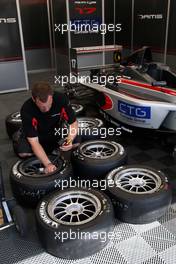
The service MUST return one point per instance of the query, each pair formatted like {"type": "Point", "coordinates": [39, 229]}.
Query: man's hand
{"type": "Point", "coordinates": [41, 155]}
{"type": "Point", "coordinates": [66, 146]}
{"type": "Point", "coordinates": [50, 168]}
{"type": "Point", "coordinates": [73, 130]}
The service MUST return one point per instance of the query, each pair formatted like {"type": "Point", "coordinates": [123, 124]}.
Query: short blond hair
{"type": "Point", "coordinates": [41, 91]}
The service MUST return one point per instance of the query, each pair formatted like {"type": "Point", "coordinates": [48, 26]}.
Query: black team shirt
{"type": "Point", "coordinates": [45, 125]}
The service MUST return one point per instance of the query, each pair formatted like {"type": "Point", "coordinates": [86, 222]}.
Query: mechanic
{"type": "Point", "coordinates": [43, 115]}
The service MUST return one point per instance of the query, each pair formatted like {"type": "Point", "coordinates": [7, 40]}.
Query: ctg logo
{"type": "Point", "coordinates": [9, 20]}
{"type": "Point", "coordinates": [152, 16]}
{"type": "Point", "coordinates": [85, 10]}
{"type": "Point", "coordinates": [135, 111]}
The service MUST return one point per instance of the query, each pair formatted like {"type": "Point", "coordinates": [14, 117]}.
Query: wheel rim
{"type": "Point", "coordinates": [137, 180]}
{"type": "Point", "coordinates": [16, 117]}
{"type": "Point", "coordinates": [77, 107]}
{"type": "Point", "coordinates": [34, 168]}
{"type": "Point", "coordinates": [89, 123]}
{"type": "Point", "coordinates": [16, 224]}
{"type": "Point", "coordinates": [101, 150]}
{"type": "Point", "coordinates": [17, 227]}
{"type": "Point", "coordinates": [74, 208]}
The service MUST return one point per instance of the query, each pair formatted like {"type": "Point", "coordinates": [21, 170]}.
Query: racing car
{"type": "Point", "coordinates": [140, 66]}
{"type": "Point", "coordinates": [143, 97]}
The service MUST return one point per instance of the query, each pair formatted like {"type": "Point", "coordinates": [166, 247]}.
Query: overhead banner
{"type": "Point", "coordinates": [13, 75]}
{"type": "Point", "coordinates": [85, 23]}
{"type": "Point", "coordinates": [35, 24]}
{"type": "Point", "coordinates": [150, 24]}
{"type": "Point", "coordinates": [61, 44]}
{"type": "Point", "coordinates": [171, 49]}
{"type": "Point", "coordinates": [123, 11]}
{"type": "Point", "coordinates": [109, 19]}
{"type": "Point", "coordinates": [10, 44]}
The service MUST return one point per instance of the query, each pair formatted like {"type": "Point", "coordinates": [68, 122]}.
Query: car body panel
{"type": "Point", "coordinates": [143, 95]}
{"type": "Point", "coordinates": [130, 107]}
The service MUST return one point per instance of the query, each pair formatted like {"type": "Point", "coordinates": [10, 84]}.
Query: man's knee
{"type": "Point", "coordinates": [25, 155]}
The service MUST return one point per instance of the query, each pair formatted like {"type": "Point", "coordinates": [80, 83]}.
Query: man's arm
{"type": "Point", "coordinates": [73, 131]}
{"type": "Point", "coordinates": [41, 155]}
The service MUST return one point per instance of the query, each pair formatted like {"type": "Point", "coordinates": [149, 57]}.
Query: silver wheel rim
{"type": "Point", "coordinates": [34, 168]}
{"type": "Point", "coordinates": [77, 107]}
{"type": "Point", "coordinates": [89, 123]}
{"type": "Point", "coordinates": [137, 180]}
{"type": "Point", "coordinates": [101, 150]}
{"type": "Point", "coordinates": [74, 208]}
{"type": "Point", "coordinates": [16, 117]}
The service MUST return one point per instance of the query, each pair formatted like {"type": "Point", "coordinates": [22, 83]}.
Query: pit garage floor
{"type": "Point", "coordinates": [153, 243]}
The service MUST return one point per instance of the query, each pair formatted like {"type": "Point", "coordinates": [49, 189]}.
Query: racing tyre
{"type": "Point", "coordinates": [20, 220]}
{"type": "Point", "coordinates": [139, 194]}
{"type": "Point", "coordinates": [70, 223]}
{"type": "Point", "coordinates": [89, 128]}
{"type": "Point", "coordinates": [30, 183]}
{"type": "Point", "coordinates": [13, 123]}
{"type": "Point", "coordinates": [15, 140]}
{"type": "Point", "coordinates": [94, 159]}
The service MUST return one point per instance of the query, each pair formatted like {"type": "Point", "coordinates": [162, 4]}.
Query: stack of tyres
{"type": "Point", "coordinates": [75, 223]}
{"type": "Point", "coordinates": [139, 194]}
{"type": "Point", "coordinates": [94, 159]}
{"type": "Point", "coordinates": [30, 183]}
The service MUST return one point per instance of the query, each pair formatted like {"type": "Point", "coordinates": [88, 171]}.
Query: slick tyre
{"type": "Point", "coordinates": [94, 159]}
{"type": "Point", "coordinates": [139, 194]}
{"type": "Point", "coordinates": [15, 140]}
{"type": "Point", "coordinates": [20, 220]}
{"type": "Point", "coordinates": [89, 128]}
{"type": "Point", "coordinates": [30, 183]}
{"type": "Point", "coordinates": [13, 123]}
{"type": "Point", "coordinates": [70, 223]}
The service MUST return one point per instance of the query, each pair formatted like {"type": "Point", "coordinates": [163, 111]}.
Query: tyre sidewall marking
{"type": "Point", "coordinates": [48, 221]}
{"type": "Point", "coordinates": [15, 170]}
{"type": "Point", "coordinates": [44, 217]}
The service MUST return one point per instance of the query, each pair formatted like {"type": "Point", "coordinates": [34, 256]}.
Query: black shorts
{"type": "Point", "coordinates": [23, 146]}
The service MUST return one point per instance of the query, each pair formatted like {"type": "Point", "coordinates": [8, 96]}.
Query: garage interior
{"type": "Point", "coordinates": [32, 51]}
